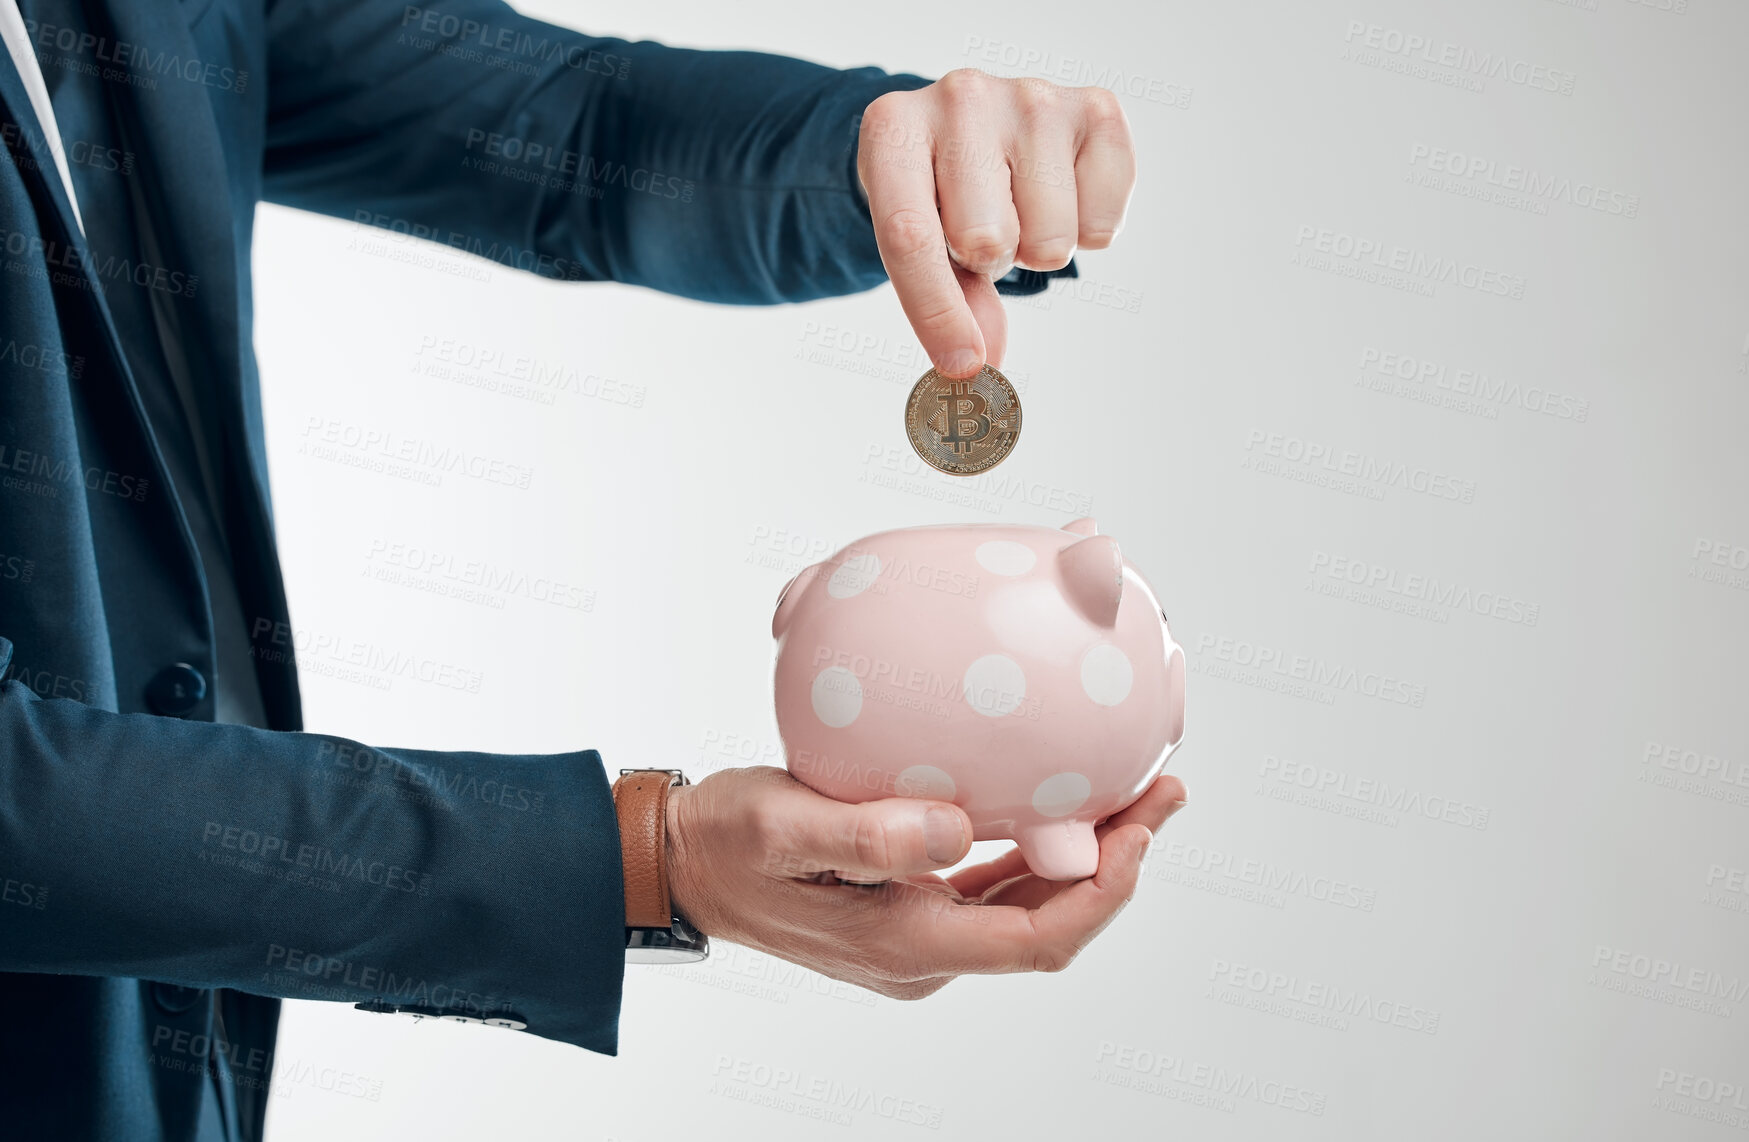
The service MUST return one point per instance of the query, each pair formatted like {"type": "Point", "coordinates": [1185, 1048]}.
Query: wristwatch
{"type": "Point", "coordinates": [655, 933]}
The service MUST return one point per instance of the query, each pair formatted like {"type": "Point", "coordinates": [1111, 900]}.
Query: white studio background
{"type": "Point", "coordinates": [1512, 906]}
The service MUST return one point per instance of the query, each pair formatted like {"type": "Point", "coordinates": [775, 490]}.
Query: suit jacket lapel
{"type": "Point", "coordinates": [175, 139]}
{"type": "Point", "coordinates": [33, 141]}
{"type": "Point", "coordinates": [66, 251]}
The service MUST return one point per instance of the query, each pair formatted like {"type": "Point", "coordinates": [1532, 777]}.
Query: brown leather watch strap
{"type": "Point", "coordinates": [640, 800]}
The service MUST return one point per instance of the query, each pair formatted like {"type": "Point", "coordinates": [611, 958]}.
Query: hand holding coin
{"type": "Point", "coordinates": [974, 174]}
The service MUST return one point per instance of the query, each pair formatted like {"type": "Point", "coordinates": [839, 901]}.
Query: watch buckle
{"type": "Point", "coordinates": [656, 769]}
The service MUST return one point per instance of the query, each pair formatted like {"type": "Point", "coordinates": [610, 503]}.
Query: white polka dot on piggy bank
{"type": "Point", "coordinates": [1025, 673]}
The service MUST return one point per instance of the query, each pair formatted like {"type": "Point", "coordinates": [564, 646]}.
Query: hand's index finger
{"type": "Point", "coordinates": [907, 222]}
{"type": "Point", "coordinates": [1068, 921]}
{"type": "Point", "coordinates": [1158, 801]}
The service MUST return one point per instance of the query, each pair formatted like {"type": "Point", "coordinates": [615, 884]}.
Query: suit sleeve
{"type": "Point", "coordinates": [486, 886]}
{"type": "Point", "coordinates": [726, 176]}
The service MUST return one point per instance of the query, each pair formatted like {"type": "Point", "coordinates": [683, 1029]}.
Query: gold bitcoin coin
{"type": "Point", "coordinates": [963, 427]}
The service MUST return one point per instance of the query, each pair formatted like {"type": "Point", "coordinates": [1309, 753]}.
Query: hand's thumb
{"type": "Point", "coordinates": [986, 306]}
{"type": "Point", "coordinates": [891, 837]}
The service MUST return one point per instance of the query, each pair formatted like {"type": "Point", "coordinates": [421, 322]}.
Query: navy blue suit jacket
{"type": "Point", "coordinates": [164, 878]}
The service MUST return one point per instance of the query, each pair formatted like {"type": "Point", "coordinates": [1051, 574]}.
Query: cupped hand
{"type": "Point", "coordinates": [755, 858]}
{"type": "Point", "coordinates": [973, 175]}
{"type": "Point", "coordinates": [1007, 880]}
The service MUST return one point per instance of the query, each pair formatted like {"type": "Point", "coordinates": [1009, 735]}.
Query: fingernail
{"type": "Point", "coordinates": [960, 362]}
{"type": "Point", "coordinates": [1174, 807]}
{"type": "Point", "coordinates": [943, 835]}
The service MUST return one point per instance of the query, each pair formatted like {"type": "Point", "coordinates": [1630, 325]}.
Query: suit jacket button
{"type": "Point", "coordinates": [176, 690]}
{"type": "Point", "coordinates": [174, 999]}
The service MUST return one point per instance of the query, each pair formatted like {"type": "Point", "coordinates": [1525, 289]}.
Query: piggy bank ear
{"type": "Point", "coordinates": [789, 598]}
{"type": "Point", "coordinates": [1092, 570]}
{"type": "Point", "coordinates": [1082, 526]}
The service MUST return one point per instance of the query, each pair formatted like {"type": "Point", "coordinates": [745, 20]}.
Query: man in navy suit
{"type": "Point", "coordinates": [175, 855]}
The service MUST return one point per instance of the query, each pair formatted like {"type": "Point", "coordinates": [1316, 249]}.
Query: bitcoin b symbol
{"type": "Point", "coordinates": [963, 411]}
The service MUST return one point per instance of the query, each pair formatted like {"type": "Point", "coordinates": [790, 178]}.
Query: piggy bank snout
{"type": "Point", "coordinates": [1175, 671]}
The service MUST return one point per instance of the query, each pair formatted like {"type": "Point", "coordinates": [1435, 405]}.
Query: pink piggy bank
{"type": "Point", "coordinates": [1024, 673]}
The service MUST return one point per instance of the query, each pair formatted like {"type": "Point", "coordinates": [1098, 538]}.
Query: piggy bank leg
{"type": "Point", "coordinates": [1060, 850]}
